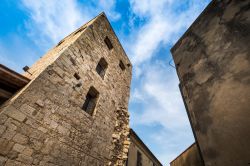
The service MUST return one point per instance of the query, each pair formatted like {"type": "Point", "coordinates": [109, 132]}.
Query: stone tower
{"type": "Point", "coordinates": [74, 110]}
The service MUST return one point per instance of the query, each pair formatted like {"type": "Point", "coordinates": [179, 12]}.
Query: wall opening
{"type": "Point", "coordinates": [139, 159]}
{"type": "Point", "coordinates": [101, 67]}
{"type": "Point", "coordinates": [77, 76]}
{"type": "Point", "coordinates": [121, 65]}
{"type": "Point", "coordinates": [91, 100]}
{"type": "Point", "coordinates": [108, 43]}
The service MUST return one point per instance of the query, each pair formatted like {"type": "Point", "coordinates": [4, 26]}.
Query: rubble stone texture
{"type": "Point", "coordinates": [213, 64]}
{"type": "Point", "coordinates": [44, 123]}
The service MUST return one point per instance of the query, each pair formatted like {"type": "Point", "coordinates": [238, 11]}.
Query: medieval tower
{"type": "Point", "coordinates": [74, 108]}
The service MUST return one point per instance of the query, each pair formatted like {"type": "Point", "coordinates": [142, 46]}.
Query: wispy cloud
{"type": "Point", "coordinates": [161, 104]}
{"type": "Point", "coordinates": [50, 21]}
{"type": "Point", "coordinates": [165, 21]}
{"type": "Point", "coordinates": [109, 7]}
{"type": "Point", "coordinates": [155, 86]}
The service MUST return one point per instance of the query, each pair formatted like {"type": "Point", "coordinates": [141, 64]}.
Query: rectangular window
{"type": "Point", "coordinates": [90, 101]}
{"type": "Point", "coordinates": [139, 159]}
{"type": "Point", "coordinates": [101, 67]}
{"type": "Point", "coordinates": [121, 64]}
{"type": "Point", "coordinates": [108, 43]}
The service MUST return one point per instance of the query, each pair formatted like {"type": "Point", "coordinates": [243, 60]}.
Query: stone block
{"type": "Point", "coordinates": [40, 103]}
{"type": "Point", "coordinates": [5, 146]}
{"type": "Point", "coordinates": [20, 138]}
{"type": "Point", "coordinates": [28, 151]}
{"type": "Point", "coordinates": [3, 118]}
{"type": "Point", "coordinates": [25, 159]}
{"type": "Point", "coordinates": [53, 124]}
{"type": "Point", "coordinates": [12, 155]}
{"type": "Point", "coordinates": [2, 129]}
{"type": "Point", "coordinates": [27, 109]}
{"type": "Point", "coordinates": [8, 134]}
{"type": "Point", "coordinates": [18, 148]}
{"type": "Point", "coordinates": [15, 114]}
{"type": "Point", "coordinates": [42, 129]}
{"type": "Point", "coordinates": [63, 130]}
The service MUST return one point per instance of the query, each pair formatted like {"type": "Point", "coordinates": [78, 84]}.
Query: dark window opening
{"type": "Point", "coordinates": [77, 76]}
{"type": "Point", "coordinates": [73, 61]}
{"type": "Point", "coordinates": [108, 43]}
{"type": "Point", "coordinates": [122, 66]}
{"type": "Point", "coordinates": [139, 159]}
{"type": "Point", "coordinates": [101, 67]}
{"type": "Point", "coordinates": [90, 101]}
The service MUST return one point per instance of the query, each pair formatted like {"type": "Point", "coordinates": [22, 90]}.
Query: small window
{"type": "Point", "coordinates": [108, 43]}
{"type": "Point", "coordinates": [121, 64]}
{"type": "Point", "coordinates": [90, 101]}
{"type": "Point", "coordinates": [73, 61]}
{"type": "Point", "coordinates": [101, 67]}
{"type": "Point", "coordinates": [139, 159]}
{"type": "Point", "coordinates": [77, 76]}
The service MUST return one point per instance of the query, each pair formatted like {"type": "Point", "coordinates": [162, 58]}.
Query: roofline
{"type": "Point", "coordinates": [132, 132]}
{"type": "Point", "coordinates": [184, 151]}
{"type": "Point", "coordinates": [195, 21]}
{"type": "Point", "coordinates": [14, 73]}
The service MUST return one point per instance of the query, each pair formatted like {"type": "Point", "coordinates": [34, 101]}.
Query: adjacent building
{"type": "Point", "coordinates": [213, 64]}
{"type": "Point", "coordinates": [190, 157]}
{"type": "Point", "coordinates": [139, 154]}
{"type": "Point", "coordinates": [71, 106]}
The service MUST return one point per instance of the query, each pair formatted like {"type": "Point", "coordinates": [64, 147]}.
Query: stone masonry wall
{"type": "Point", "coordinates": [44, 123]}
{"type": "Point", "coordinates": [213, 64]}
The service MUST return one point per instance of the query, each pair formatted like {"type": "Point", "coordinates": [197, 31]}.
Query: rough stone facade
{"type": "Point", "coordinates": [190, 157]}
{"type": "Point", "coordinates": [213, 64]}
{"type": "Point", "coordinates": [45, 124]}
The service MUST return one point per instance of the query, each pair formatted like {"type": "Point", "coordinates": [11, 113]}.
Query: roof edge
{"type": "Point", "coordinates": [184, 151]}
{"type": "Point", "coordinates": [190, 27]}
{"type": "Point", "coordinates": [131, 131]}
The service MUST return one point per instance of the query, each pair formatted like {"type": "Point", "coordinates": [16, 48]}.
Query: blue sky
{"type": "Point", "coordinates": [147, 30]}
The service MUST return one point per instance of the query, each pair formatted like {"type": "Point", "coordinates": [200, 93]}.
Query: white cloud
{"type": "Point", "coordinates": [160, 103]}
{"type": "Point", "coordinates": [164, 24]}
{"type": "Point", "coordinates": [156, 94]}
{"type": "Point", "coordinates": [109, 7]}
{"type": "Point", "coordinates": [51, 20]}
{"type": "Point", "coordinates": [159, 94]}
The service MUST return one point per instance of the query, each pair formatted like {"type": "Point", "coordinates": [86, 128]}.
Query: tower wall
{"type": "Point", "coordinates": [45, 124]}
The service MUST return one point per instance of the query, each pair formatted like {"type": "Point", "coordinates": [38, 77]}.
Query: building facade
{"type": "Point", "coordinates": [139, 154]}
{"type": "Point", "coordinates": [73, 109]}
{"type": "Point", "coordinates": [213, 64]}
